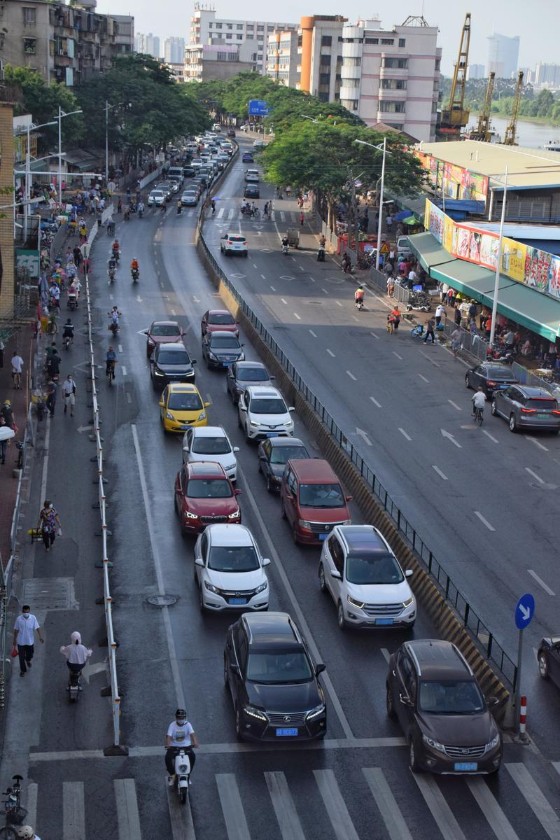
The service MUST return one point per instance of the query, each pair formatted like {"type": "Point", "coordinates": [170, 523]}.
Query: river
{"type": "Point", "coordinates": [530, 134]}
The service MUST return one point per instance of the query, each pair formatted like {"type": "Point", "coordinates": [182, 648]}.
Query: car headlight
{"type": "Point", "coordinates": [435, 745]}
{"type": "Point", "coordinates": [190, 515]}
{"type": "Point", "coordinates": [358, 604]}
{"type": "Point", "coordinates": [261, 588]}
{"type": "Point", "coordinates": [211, 587]}
{"type": "Point", "coordinates": [233, 515]}
{"type": "Point", "coordinates": [493, 743]}
{"type": "Point", "coordinates": [303, 523]}
{"type": "Point", "coordinates": [254, 423]}
{"type": "Point", "coordinates": [201, 416]}
{"type": "Point", "coordinates": [318, 710]}
{"type": "Point", "coordinates": [408, 602]}
{"type": "Point", "coordinates": [169, 416]}
{"type": "Point", "coordinates": [250, 711]}
{"type": "Point", "coordinates": [231, 466]}
{"type": "Point", "coordinates": [158, 372]}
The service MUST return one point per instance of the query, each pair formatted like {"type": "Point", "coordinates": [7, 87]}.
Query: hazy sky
{"type": "Point", "coordinates": [537, 22]}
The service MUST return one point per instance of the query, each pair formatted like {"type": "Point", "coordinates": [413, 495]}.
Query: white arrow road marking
{"type": "Point", "coordinates": [484, 521]}
{"type": "Point", "coordinates": [351, 375]}
{"type": "Point", "coordinates": [81, 429]}
{"type": "Point", "coordinates": [450, 437]}
{"type": "Point", "coordinates": [363, 435]}
{"type": "Point", "coordinates": [439, 472]}
{"type": "Point", "coordinates": [457, 407]}
{"type": "Point", "coordinates": [535, 476]}
{"type": "Point", "coordinates": [404, 434]}
{"type": "Point", "coordinates": [374, 401]}
{"type": "Point", "coordinates": [541, 582]}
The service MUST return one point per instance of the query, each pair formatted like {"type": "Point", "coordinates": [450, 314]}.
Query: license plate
{"type": "Point", "coordinates": [323, 536]}
{"type": "Point", "coordinates": [237, 601]}
{"type": "Point", "coordinates": [185, 426]}
{"type": "Point", "coordinates": [384, 621]}
{"type": "Point", "coordinates": [287, 732]}
{"type": "Point", "coordinates": [465, 766]}
{"type": "Point", "coordinates": [543, 416]}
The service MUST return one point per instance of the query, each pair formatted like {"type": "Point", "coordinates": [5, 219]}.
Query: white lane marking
{"type": "Point", "coordinates": [123, 370]}
{"type": "Point", "coordinates": [541, 582]}
{"type": "Point", "coordinates": [439, 472]}
{"type": "Point", "coordinates": [439, 809]}
{"type": "Point", "coordinates": [536, 442]}
{"type": "Point", "coordinates": [73, 811]}
{"type": "Point", "coordinates": [325, 291]}
{"type": "Point", "coordinates": [128, 398]}
{"type": "Point", "coordinates": [230, 800]}
{"type": "Point", "coordinates": [338, 303]}
{"type": "Point", "coordinates": [46, 459]}
{"type": "Point", "coordinates": [31, 802]}
{"type": "Point", "coordinates": [284, 301]}
{"type": "Point", "coordinates": [397, 355]}
{"type": "Point", "coordinates": [128, 818]}
{"type": "Point", "coordinates": [297, 316]}
{"type": "Point", "coordinates": [301, 268]}
{"type": "Point", "coordinates": [454, 404]}
{"type": "Point", "coordinates": [355, 318]}
{"type": "Point", "coordinates": [483, 520]}
{"type": "Point", "coordinates": [374, 401]}
{"type": "Point", "coordinates": [330, 352]}
{"type": "Point", "coordinates": [385, 654]}
{"type": "Point", "coordinates": [374, 335]}
{"type": "Point", "coordinates": [155, 549]}
{"type": "Point", "coordinates": [119, 348]}
{"type": "Point", "coordinates": [492, 438]}
{"type": "Point", "coordinates": [341, 821]}
{"type": "Point", "coordinates": [423, 377]}
{"type": "Point", "coordinates": [535, 799]}
{"type": "Point", "coordinates": [535, 476]}
{"type": "Point", "coordinates": [404, 434]}
{"type": "Point", "coordinates": [387, 804]}
{"type": "Point", "coordinates": [173, 312]}
{"type": "Point", "coordinates": [450, 437]}
{"type": "Point", "coordinates": [263, 276]}
{"type": "Point", "coordinates": [284, 807]}
{"type": "Point", "coordinates": [351, 375]}
{"type": "Point", "coordinates": [273, 288]}
{"type": "Point", "coordinates": [497, 820]}
{"type": "Point", "coordinates": [313, 334]}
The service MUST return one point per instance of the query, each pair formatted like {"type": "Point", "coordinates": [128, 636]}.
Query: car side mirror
{"type": "Point", "coordinates": [291, 408]}
{"type": "Point", "coordinates": [266, 561]}
{"type": "Point", "coordinates": [193, 361]}
{"type": "Point", "coordinates": [336, 574]}
{"type": "Point", "coordinates": [198, 561]}
{"type": "Point", "coordinates": [206, 404]}
{"type": "Point", "coordinates": [241, 407]}
{"type": "Point", "coordinates": [320, 668]}
{"type": "Point", "coordinates": [349, 498]}
{"type": "Point", "coordinates": [492, 701]}
{"type": "Point", "coordinates": [408, 573]}
{"type": "Point", "coordinates": [271, 377]}
{"type": "Point", "coordinates": [406, 701]}
{"type": "Point", "coordinates": [161, 404]}
{"type": "Point", "coordinates": [237, 491]}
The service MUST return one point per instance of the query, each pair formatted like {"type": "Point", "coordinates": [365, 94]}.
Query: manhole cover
{"type": "Point", "coordinates": [162, 600]}
{"type": "Point", "coordinates": [49, 594]}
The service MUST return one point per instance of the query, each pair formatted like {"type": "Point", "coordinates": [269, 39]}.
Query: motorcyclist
{"type": "Point", "coordinates": [478, 400]}
{"type": "Point", "coordinates": [68, 330]}
{"type": "Point", "coordinates": [285, 243]}
{"type": "Point", "coordinates": [179, 206]}
{"type": "Point", "coordinates": [110, 360]}
{"type": "Point", "coordinates": [76, 654]}
{"type": "Point", "coordinates": [116, 249]}
{"type": "Point", "coordinates": [26, 832]}
{"type": "Point", "coordinates": [114, 315]}
{"type": "Point", "coordinates": [359, 296]}
{"type": "Point", "coordinates": [180, 736]}
{"type": "Point", "coordinates": [140, 209]}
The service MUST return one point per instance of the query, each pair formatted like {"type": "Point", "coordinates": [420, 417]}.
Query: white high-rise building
{"type": "Point", "coordinates": [148, 44]}
{"type": "Point", "coordinates": [503, 56]}
{"type": "Point", "coordinates": [174, 50]}
{"type": "Point", "coordinates": [475, 71]}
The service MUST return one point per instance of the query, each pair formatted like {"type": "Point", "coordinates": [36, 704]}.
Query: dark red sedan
{"type": "Point", "coordinates": [162, 332]}
{"type": "Point", "coordinates": [204, 495]}
{"type": "Point", "coordinates": [218, 319]}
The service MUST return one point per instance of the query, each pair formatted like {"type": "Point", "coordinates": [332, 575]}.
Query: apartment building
{"type": "Point", "coordinates": [63, 43]}
{"type": "Point", "coordinates": [174, 50]}
{"type": "Point", "coordinates": [503, 55]}
{"type": "Point", "coordinates": [148, 44]}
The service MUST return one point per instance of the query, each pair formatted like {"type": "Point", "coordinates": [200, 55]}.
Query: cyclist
{"type": "Point", "coordinates": [359, 296]}
{"type": "Point", "coordinates": [180, 735]}
{"type": "Point", "coordinates": [76, 654]}
{"type": "Point", "coordinates": [478, 401]}
{"type": "Point", "coordinates": [110, 361]}
{"type": "Point", "coordinates": [68, 330]}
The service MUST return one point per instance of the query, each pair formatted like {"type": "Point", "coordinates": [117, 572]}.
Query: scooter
{"type": "Point", "coordinates": [135, 272]}
{"type": "Point", "coordinates": [321, 254]}
{"type": "Point", "coordinates": [74, 686]}
{"type": "Point", "coordinates": [285, 248]}
{"type": "Point", "coordinates": [114, 327]}
{"type": "Point", "coordinates": [182, 775]}
{"type": "Point", "coordinates": [359, 302]}
{"type": "Point", "coordinates": [72, 302]}
{"type": "Point", "coordinates": [111, 272]}
{"type": "Point", "coordinates": [67, 341]}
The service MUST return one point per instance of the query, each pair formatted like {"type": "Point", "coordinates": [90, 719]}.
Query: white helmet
{"type": "Point", "coordinates": [26, 832]}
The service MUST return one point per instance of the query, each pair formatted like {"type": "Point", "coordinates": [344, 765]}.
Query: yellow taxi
{"type": "Point", "coordinates": [181, 407]}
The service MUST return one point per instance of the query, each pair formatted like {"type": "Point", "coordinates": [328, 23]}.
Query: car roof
{"type": "Point", "coordinates": [535, 391]}
{"type": "Point", "coordinates": [219, 312]}
{"type": "Point", "coordinates": [264, 391]}
{"type": "Point", "coordinates": [437, 659]}
{"type": "Point", "coordinates": [173, 346]}
{"type": "Point", "coordinates": [362, 538]}
{"type": "Point", "coordinates": [279, 442]}
{"type": "Point", "coordinates": [313, 470]}
{"type": "Point", "coordinates": [272, 628]}
{"type": "Point", "coordinates": [224, 534]}
{"type": "Point", "coordinates": [165, 324]}
{"type": "Point", "coordinates": [232, 235]}
{"type": "Point", "coordinates": [209, 431]}
{"type": "Point", "coordinates": [182, 388]}
{"type": "Point", "coordinates": [248, 364]}
{"type": "Point", "coordinates": [221, 333]}
{"type": "Point", "coordinates": [205, 469]}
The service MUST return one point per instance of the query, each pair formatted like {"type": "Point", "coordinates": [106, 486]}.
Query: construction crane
{"type": "Point", "coordinates": [511, 128]}
{"type": "Point", "coordinates": [482, 131]}
{"type": "Point", "coordinates": [454, 118]}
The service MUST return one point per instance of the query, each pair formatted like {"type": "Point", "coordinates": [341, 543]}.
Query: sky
{"type": "Point", "coordinates": [536, 23]}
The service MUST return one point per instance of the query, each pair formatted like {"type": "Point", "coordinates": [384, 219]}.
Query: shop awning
{"type": "Point", "coordinates": [429, 251]}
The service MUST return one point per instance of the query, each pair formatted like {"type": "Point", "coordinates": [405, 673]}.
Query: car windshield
{"type": "Point", "coordinates": [211, 445]}
{"type": "Point", "coordinates": [184, 402]}
{"type": "Point", "coordinates": [221, 318]}
{"type": "Point", "coordinates": [276, 405]}
{"type": "Point", "coordinates": [235, 238]}
{"type": "Point", "coordinates": [228, 342]}
{"type": "Point", "coordinates": [252, 375]}
{"type": "Point", "coordinates": [170, 357]}
{"type": "Point", "coordinates": [239, 558]}
{"type": "Point", "coordinates": [282, 454]}
{"type": "Point", "coordinates": [372, 568]}
{"type": "Point", "coordinates": [450, 697]}
{"type": "Point", "coordinates": [321, 496]}
{"type": "Point", "coordinates": [209, 488]}
{"type": "Point", "coordinates": [543, 404]}
{"type": "Point", "coordinates": [165, 329]}
{"type": "Point", "coordinates": [276, 667]}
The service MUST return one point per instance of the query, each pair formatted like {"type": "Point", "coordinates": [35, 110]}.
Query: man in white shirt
{"type": "Point", "coordinates": [17, 369]}
{"type": "Point", "coordinates": [440, 312]}
{"type": "Point", "coordinates": [24, 636]}
{"type": "Point", "coordinates": [180, 735]}
{"type": "Point", "coordinates": [69, 393]}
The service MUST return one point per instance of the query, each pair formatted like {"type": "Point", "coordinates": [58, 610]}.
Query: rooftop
{"type": "Point", "coordinates": [527, 168]}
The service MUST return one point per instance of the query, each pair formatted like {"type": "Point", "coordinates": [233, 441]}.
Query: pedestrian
{"type": "Point", "coordinates": [430, 331]}
{"type": "Point", "coordinates": [8, 415]}
{"type": "Point", "coordinates": [440, 313]}
{"type": "Point", "coordinates": [17, 368]}
{"type": "Point", "coordinates": [389, 222]}
{"type": "Point", "coordinates": [457, 317]}
{"type": "Point", "coordinates": [455, 341]}
{"type": "Point", "coordinates": [396, 315]}
{"type": "Point", "coordinates": [49, 524]}
{"type": "Point", "coordinates": [301, 218]}
{"type": "Point", "coordinates": [53, 365]}
{"type": "Point", "coordinates": [390, 286]}
{"type": "Point", "coordinates": [69, 393]}
{"type": "Point", "coordinates": [472, 310]}
{"type": "Point", "coordinates": [3, 443]}
{"type": "Point", "coordinates": [24, 637]}
{"type": "Point", "coordinates": [443, 291]}
{"type": "Point", "coordinates": [51, 397]}
{"type": "Point", "coordinates": [119, 206]}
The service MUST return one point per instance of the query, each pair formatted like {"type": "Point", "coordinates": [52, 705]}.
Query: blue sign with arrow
{"type": "Point", "coordinates": [524, 611]}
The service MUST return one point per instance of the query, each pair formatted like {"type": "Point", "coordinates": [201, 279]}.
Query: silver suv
{"type": "Point", "coordinates": [527, 407]}
{"type": "Point", "coordinates": [263, 413]}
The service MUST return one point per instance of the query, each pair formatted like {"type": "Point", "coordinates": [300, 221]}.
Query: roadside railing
{"type": "Point", "coordinates": [481, 634]}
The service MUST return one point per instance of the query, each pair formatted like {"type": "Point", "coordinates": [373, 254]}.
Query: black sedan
{"type": "Point", "coordinates": [171, 363]}
{"type": "Point", "coordinates": [241, 374]}
{"type": "Point", "coordinates": [548, 657]}
{"type": "Point", "coordinates": [492, 376]}
{"type": "Point", "coordinates": [251, 191]}
{"type": "Point", "coordinates": [221, 349]}
{"type": "Point", "coordinates": [274, 454]}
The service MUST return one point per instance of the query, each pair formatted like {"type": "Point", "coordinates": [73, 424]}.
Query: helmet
{"type": "Point", "coordinates": [26, 832]}
{"type": "Point", "coordinates": [7, 402]}
{"type": "Point", "coordinates": [181, 714]}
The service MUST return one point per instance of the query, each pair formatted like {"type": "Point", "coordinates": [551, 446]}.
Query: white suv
{"type": "Point", "coordinates": [234, 243]}
{"type": "Point", "coordinates": [263, 413]}
{"type": "Point", "coordinates": [210, 443]}
{"type": "Point", "coordinates": [364, 578]}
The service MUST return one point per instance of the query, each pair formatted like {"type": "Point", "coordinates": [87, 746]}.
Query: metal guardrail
{"type": "Point", "coordinates": [478, 629]}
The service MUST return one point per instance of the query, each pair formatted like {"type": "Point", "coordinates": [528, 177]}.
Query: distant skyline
{"type": "Point", "coordinates": [536, 24]}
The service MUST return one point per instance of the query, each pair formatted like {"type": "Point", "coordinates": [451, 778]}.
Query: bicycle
{"type": "Point", "coordinates": [12, 811]}
{"type": "Point", "coordinates": [478, 415]}
{"type": "Point", "coordinates": [110, 371]}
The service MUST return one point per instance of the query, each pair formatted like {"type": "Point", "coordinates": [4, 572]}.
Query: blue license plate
{"type": "Point", "coordinates": [287, 732]}
{"type": "Point", "coordinates": [465, 766]}
{"type": "Point", "coordinates": [237, 602]}
{"type": "Point", "coordinates": [323, 536]}
{"type": "Point", "coordinates": [384, 621]}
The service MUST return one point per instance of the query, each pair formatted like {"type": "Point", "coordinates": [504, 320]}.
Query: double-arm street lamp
{"type": "Point", "coordinates": [382, 147]}
{"type": "Point", "coordinates": [28, 129]}
{"type": "Point", "coordinates": [62, 114]}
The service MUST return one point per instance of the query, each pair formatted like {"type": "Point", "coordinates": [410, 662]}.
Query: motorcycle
{"type": "Point", "coordinates": [500, 354]}
{"type": "Point", "coordinates": [285, 248]}
{"type": "Point", "coordinates": [111, 272]}
{"type": "Point", "coordinates": [419, 302]}
{"type": "Point", "coordinates": [182, 775]}
{"type": "Point", "coordinates": [116, 254]}
{"type": "Point", "coordinates": [135, 272]}
{"type": "Point", "coordinates": [74, 686]}
{"type": "Point", "coordinates": [359, 302]}
{"type": "Point", "coordinates": [72, 302]}
{"type": "Point", "coordinates": [321, 254]}
{"type": "Point", "coordinates": [67, 341]}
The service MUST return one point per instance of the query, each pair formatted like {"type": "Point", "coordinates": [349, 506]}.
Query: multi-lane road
{"type": "Point", "coordinates": [471, 495]}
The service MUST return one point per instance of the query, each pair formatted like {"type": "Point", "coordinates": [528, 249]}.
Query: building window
{"type": "Point", "coordinates": [29, 16]}
{"type": "Point", "coordinates": [260, 28]}
{"type": "Point", "coordinates": [392, 107]}
{"type": "Point", "coordinates": [239, 37]}
{"type": "Point", "coordinates": [438, 61]}
{"type": "Point", "coordinates": [396, 63]}
{"type": "Point", "coordinates": [239, 26]}
{"type": "Point", "coordinates": [30, 46]}
{"type": "Point", "coordinates": [388, 41]}
{"type": "Point", "coordinates": [219, 26]}
{"type": "Point", "coordinates": [326, 40]}
{"type": "Point", "coordinates": [402, 42]}
{"type": "Point", "coordinates": [228, 35]}
{"type": "Point", "coordinates": [229, 25]}
{"type": "Point", "coordinates": [393, 84]}
{"type": "Point", "coordinates": [371, 40]}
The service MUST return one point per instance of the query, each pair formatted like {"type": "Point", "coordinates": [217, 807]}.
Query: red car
{"type": "Point", "coordinates": [218, 319]}
{"type": "Point", "coordinates": [162, 332]}
{"type": "Point", "coordinates": [204, 495]}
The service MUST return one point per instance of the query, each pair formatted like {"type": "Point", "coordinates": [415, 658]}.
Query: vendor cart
{"type": "Point", "coordinates": [293, 237]}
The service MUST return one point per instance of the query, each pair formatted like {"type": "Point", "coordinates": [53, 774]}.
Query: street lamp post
{"type": "Point", "coordinates": [499, 261]}
{"type": "Point", "coordinates": [62, 114]}
{"type": "Point", "coordinates": [29, 128]}
{"type": "Point", "coordinates": [380, 147]}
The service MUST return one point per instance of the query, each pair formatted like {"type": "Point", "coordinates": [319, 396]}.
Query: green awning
{"type": "Point", "coordinates": [429, 251]}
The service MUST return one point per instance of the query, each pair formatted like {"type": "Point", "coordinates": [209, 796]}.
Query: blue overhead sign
{"type": "Point", "coordinates": [524, 611]}
{"type": "Point", "coordinates": [258, 108]}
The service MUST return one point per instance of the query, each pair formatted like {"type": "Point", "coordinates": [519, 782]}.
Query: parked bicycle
{"type": "Point", "coordinates": [12, 811]}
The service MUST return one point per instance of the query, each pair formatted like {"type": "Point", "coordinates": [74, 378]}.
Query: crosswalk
{"type": "Point", "coordinates": [293, 804]}
{"type": "Point", "coordinates": [287, 218]}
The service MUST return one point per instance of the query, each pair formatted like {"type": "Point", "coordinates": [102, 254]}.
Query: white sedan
{"type": "Point", "coordinates": [210, 443]}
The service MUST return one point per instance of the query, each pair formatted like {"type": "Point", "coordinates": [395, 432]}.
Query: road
{"type": "Point", "coordinates": [354, 785]}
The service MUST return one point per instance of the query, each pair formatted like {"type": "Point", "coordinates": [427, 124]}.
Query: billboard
{"type": "Point", "coordinates": [258, 108]}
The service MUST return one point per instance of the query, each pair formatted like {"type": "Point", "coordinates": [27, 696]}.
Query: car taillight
{"type": "Point", "coordinates": [555, 411]}
{"type": "Point", "coordinates": [528, 411]}
{"type": "Point", "coordinates": [491, 383]}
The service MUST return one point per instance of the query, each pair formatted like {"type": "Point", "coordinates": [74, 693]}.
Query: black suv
{"type": "Point", "coordinates": [433, 692]}
{"type": "Point", "coordinates": [272, 680]}
{"type": "Point", "coordinates": [171, 363]}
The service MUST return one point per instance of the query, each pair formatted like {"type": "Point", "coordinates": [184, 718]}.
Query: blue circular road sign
{"type": "Point", "coordinates": [524, 611]}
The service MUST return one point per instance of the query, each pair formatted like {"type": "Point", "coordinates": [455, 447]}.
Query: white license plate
{"type": "Point", "coordinates": [287, 732]}
{"type": "Point", "coordinates": [465, 766]}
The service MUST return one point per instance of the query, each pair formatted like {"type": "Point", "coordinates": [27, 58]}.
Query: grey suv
{"type": "Point", "coordinates": [527, 407]}
{"type": "Point", "coordinates": [436, 698]}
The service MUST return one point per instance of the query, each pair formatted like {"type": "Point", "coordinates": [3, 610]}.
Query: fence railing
{"type": "Point", "coordinates": [478, 629]}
